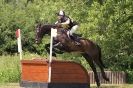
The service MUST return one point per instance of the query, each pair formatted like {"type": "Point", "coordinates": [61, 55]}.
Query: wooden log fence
{"type": "Point", "coordinates": [116, 77]}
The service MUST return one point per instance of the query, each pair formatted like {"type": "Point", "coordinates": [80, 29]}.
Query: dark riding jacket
{"type": "Point", "coordinates": [67, 22]}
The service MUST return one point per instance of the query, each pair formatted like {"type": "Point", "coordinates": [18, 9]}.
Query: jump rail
{"type": "Point", "coordinates": [65, 74]}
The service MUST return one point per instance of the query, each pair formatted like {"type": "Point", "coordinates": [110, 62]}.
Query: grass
{"type": "Point", "coordinates": [10, 67]}
{"type": "Point", "coordinates": [10, 72]}
{"type": "Point", "coordinates": [113, 86]}
{"type": "Point", "coordinates": [10, 85]}
{"type": "Point", "coordinates": [16, 85]}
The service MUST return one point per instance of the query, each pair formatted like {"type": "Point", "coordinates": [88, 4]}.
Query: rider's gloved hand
{"type": "Point", "coordinates": [59, 25]}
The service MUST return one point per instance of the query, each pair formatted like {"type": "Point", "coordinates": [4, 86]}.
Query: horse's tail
{"type": "Point", "coordinates": [100, 56]}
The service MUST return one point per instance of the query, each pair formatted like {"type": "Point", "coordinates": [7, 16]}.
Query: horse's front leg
{"type": "Point", "coordinates": [57, 46]}
{"type": "Point", "coordinates": [47, 47]}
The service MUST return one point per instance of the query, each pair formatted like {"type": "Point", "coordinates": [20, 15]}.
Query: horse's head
{"type": "Point", "coordinates": [41, 30]}
{"type": "Point", "coordinates": [38, 32]}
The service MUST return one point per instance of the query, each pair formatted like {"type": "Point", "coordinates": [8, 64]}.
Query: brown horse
{"type": "Point", "coordinates": [88, 49]}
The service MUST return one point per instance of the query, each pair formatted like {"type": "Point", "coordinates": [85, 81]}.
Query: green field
{"type": "Point", "coordinates": [114, 86]}
{"type": "Point", "coordinates": [10, 72]}
{"type": "Point", "coordinates": [16, 85]}
{"type": "Point", "coordinates": [10, 67]}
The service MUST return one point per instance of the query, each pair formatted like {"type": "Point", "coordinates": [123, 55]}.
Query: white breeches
{"type": "Point", "coordinates": [73, 29]}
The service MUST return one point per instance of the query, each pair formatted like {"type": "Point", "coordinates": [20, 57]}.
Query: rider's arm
{"type": "Point", "coordinates": [56, 22]}
{"type": "Point", "coordinates": [67, 21]}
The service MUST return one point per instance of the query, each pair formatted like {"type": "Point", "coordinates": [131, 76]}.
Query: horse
{"type": "Point", "coordinates": [87, 48]}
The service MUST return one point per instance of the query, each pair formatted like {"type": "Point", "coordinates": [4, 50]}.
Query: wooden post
{"type": "Point", "coordinates": [53, 34]}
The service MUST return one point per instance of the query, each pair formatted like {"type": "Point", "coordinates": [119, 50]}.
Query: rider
{"type": "Point", "coordinates": [69, 24]}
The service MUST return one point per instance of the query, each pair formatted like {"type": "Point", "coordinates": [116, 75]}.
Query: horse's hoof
{"type": "Point", "coordinates": [107, 79]}
{"type": "Point", "coordinates": [98, 85]}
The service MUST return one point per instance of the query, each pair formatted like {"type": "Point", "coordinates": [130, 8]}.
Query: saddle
{"type": "Point", "coordinates": [75, 37]}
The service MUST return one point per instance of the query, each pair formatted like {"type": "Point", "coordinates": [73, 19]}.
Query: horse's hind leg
{"type": "Point", "coordinates": [89, 60]}
{"type": "Point", "coordinates": [100, 55]}
{"type": "Point", "coordinates": [102, 69]}
{"type": "Point", "coordinates": [97, 59]}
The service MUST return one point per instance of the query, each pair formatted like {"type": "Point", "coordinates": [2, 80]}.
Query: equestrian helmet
{"type": "Point", "coordinates": [61, 13]}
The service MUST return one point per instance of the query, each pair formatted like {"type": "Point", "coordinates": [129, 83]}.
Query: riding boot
{"type": "Point", "coordinates": [77, 40]}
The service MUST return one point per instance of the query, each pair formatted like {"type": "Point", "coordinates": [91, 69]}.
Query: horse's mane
{"type": "Point", "coordinates": [47, 25]}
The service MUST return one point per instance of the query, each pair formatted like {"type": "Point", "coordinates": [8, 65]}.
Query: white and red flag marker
{"type": "Point", "coordinates": [18, 35]}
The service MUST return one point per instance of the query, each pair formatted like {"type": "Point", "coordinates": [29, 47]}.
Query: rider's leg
{"type": "Point", "coordinates": [73, 29]}
{"type": "Point", "coordinates": [76, 39]}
